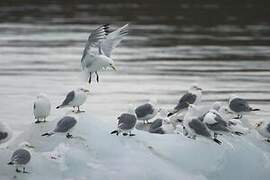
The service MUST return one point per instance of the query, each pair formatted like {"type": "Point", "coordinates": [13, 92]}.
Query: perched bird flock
{"type": "Point", "coordinates": [186, 118]}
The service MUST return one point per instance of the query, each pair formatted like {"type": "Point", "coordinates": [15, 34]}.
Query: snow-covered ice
{"type": "Point", "coordinates": [96, 154]}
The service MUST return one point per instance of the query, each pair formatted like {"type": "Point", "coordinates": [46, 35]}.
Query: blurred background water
{"type": "Point", "coordinates": [222, 46]}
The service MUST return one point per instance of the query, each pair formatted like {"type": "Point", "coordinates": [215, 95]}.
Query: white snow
{"type": "Point", "coordinates": [98, 155]}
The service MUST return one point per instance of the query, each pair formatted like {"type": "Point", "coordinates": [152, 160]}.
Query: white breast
{"type": "Point", "coordinates": [79, 99]}
{"type": "Point", "coordinates": [42, 108]}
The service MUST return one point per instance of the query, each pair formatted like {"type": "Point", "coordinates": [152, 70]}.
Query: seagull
{"type": "Point", "coordinates": [193, 96]}
{"type": "Point", "coordinates": [263, 128]}
{"type": "Point", "coordinates": [21, 157]}
{"type": "Point", "coordinates": [239, 106]}
{"type": "Point", "coordinates": [162, 125]}
{"type": "Point", "coordinates": [147, 111]}
{"type": "Point", "coordinates": [64, 125]}
{"type": "Point", "coordinates": [42, 108]}
{"type": "Point", "coordinates": [193, 126]}
{"type": "Point", "coordinates": [126, 123]}
{"type": "Point", "coordinates": [74, 99]}
{"type": "Point", "coordinates": [5, 133]}
{"type": "Point", "coordinates": [215, 122]}
{"type": "Point", "coordinates": [91, 61]}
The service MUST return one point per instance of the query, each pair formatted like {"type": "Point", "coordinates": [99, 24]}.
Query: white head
{"type": "Point", "coordinates": [195, 88]}
{"type": "Point", "coordinates": [83, 90]}
{"type": "Point", "coordinates": [216, 106]}
{"type": "Point", "coordinates": [26, 145]}
{"type": "Point", "coordinates": [42, 95]}
{"type": "Point", "coordinates": [108, 62]}
{"type": "Point", "coordinates": [163, 113]}
{"type": "Point", "coordinates": [152, 101]}
{"type": "Point", "coordinates": [131, 109]}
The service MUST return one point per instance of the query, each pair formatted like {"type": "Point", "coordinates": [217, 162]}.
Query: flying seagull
{"type": "Point", "coordinates": [42, 108]}
{"type": "Point", "coordinates": [75, 99]}
{"type": "Point", "coordinates": [193, 96]}
{"type": "Point", "coordinates": [93, 61]}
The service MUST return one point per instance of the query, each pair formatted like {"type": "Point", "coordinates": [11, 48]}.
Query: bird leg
{"type": "Point", "coordinates": [97, 76]}
{"type": "Point", "coordinates": [69, 136]}
{"type": "Point", "coordinates": [217, 141]}
{"type": "Point", "coordinates": [18, 171]}
{"type": "Point", "coordinates": [238, 133]}
{"type": "Point", "coordinates": [37, 121]}
{"type": "Point", "coordinates": [79, 111]}
{"type": "Point", "coordinates": [130, 134]}
{"type": "Point", "coordinates": [44, 120]}
{"type": "Point", "coordinates": [24, 171]}
{"type": "Point", "coordinates": [90, 78]}
{"type": "Point", "coordinates": [125, 134]}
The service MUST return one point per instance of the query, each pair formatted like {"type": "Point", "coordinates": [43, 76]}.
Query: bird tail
{"type": "Point", "coordinates": [47, 134]}
{"type": "Point", "coordinates": [172, 113]}
{"type": "Point", "coordinates": [255, 109]}
{"type": "Point", "coordinates": [58, 106]}
{"type": "Point", "coordinates": [11, 163]}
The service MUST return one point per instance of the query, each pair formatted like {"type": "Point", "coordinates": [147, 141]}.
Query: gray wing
{"type": "Point", "coordinates": [185, 100]}
{"type": "Point", "coordinates": [144, 110]}
{"type": "Point", "coordinates": [220, 125]}
{"type": "Point", "coordinates": [65, 124]}
{"type": "Point", "coordinates": [3, 135]}
{"type": "Point", "coordinates": [70, 96]}
{"type": "Point", "coordinates": [94, 38]}
{"type": "Point", "coordinates": [127, 121]}
{"type": "Point", "coordinates": [199, 127]}
{"type": "Point", "coordinates": [21, 157]}
{"type": "Point", "coordinates": [268, 127]}
{"type": "Point", "coordinates": [239, 105]}
{"type": "Point", "coordinates": [112, 40]}
{"type": "Point", "coordinates": [156, 127]}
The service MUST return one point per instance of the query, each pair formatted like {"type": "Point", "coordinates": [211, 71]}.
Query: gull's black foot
{"type": "Point", "coordinates": [69, 136]}
{"type": "Point", "coordinates": [97, 76]}
{"type": "Point", "coordinates": [90, 78]}
{"type": "Point", "coordinates": [115, 132]}
{"type": "Point", "coordinates": [37, 121]}
{"type": "Point", "coordinates": [238, 133]}
{"type": "Point", "coordinates": [131, 134]}
{"type": "Point", "coordinates": [125, 134]}
{"type": "Point", "coordinates": [217, 141]}
{"type": "Point", "coordinates": [18, 171]}
{"type": "Point", "coordinates": [24, 171]}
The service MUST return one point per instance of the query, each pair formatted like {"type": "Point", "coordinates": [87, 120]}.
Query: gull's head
{"type": "Point", "coordinates": [42, 95]}
{"type": "Point", "coordinates": [110, 63]}
{"type": "Point", "coordinates": [26, 145]}
{"type": "Point", "coordinates": [163, 112]}
{"type": "Point", "coordinates": [191, 107]}
{"type": "Point", "coordinates": [259, 124]}
{"type": "Point", "coordinates": [83, 90]}
{"type": "Point", "coordinates": [194, 88]}
{"type": "Point", "coordinates": [131, 109]}
{"type": "Point", "coordinates": [225, 110]}
{"type": "Point", "coordinates": [216, 106]}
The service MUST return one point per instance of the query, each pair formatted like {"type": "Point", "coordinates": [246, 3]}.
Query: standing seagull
{"type": "Point", "coordinates": [193, 126]}
{"type": "Point", "coordinates": [193, 96]}
{"type": "Point", "coordinates": [21, 157]}
{"type": "Point", "coordinates": [42, 108]}
{"type": "Point", "coordinates": [147, 111]}
{"type": "Point", "coordinates": [263, 128]}
{"type": "Point", "coordinates": [239, 106]}
{"type": "Point", "coordinates": [92, 62]}
{"type": "Point", "coordinates": [215, 122]}
{"type": "Point", "coordinates": [162, 125]}
{"type": "Point", "coordinates": [64, 125]}
{"type": "Point", "coordinates": [5, 133]}
{"type": "Point", "coordinates": [75, 99]}
{"type": "Point", "coordinates": [126, 123]}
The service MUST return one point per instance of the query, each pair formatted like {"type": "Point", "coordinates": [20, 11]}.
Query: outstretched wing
{"type": "Point", "coordinates": [94, 38]}
{"type": "Point", "coordinates": [112, 40]}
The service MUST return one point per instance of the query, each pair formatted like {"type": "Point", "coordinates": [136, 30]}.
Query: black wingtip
{"type": "Point", "coordinates": [47, 134]}
{"type": "Point", "coordinates": [10, 163]}
{"type": "Point", "coordinates": [217, 141]}
{"type": "Point", "coordinates": [115, 132]}
{"type": "Point", "coordinates": [57, 107]}
{"type": "Point", "coordinates": [255, 109]}
{"type": "Point", "coordinates": [170, 114]}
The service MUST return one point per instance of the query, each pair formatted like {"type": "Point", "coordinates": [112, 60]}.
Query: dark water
{"type": "Point", "coordinates": [222, 46]}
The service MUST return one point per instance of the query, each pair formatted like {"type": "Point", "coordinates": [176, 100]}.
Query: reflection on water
{"type": "Point", "coordinates": [224, 47]}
